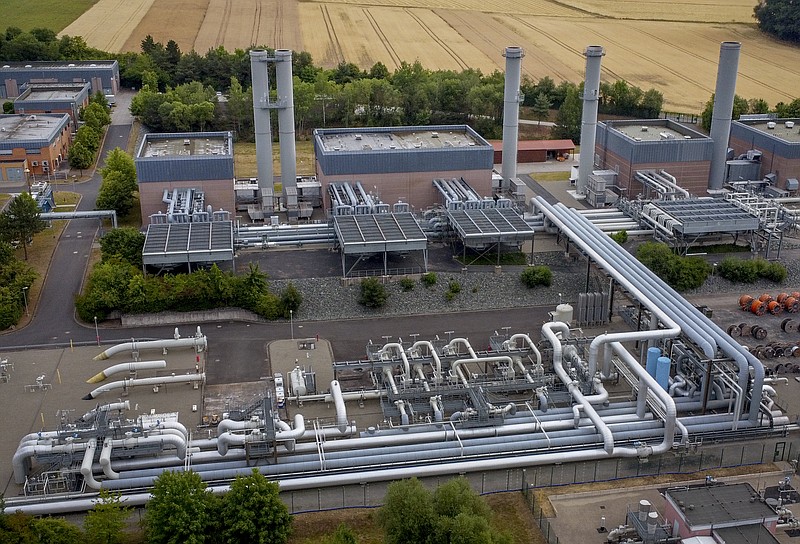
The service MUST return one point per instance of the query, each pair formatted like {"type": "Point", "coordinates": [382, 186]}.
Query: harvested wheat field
{"type": "Point", "coordinates": [670, 45]}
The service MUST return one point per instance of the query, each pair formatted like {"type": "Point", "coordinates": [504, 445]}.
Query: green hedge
{"type": "Point", "coordinates": [749, 270]}
{"type": "Point", "coordinates": [534, 276]}
{"type": "Point", "coordinates": [681, 273]}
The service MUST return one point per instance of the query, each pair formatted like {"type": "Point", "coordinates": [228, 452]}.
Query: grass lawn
{"type": "Point", "coordinates": [550, 176]}
{"type": "Point", "coordinates": [52, 14]}
{"type": "Point", "coordinates": [244, 158]}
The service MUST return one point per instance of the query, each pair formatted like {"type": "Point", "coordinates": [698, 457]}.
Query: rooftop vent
{"type": "Point", "coordinates": [93, 64]}
{"type": "Point", "coordinates": [637, 139]}
{"type": "Point", "coordinates": [645, 128]}
{"type": "Point", "coordinates": [358, 136]}
{"type": "Point", "coordinates": [771, 125]}
{"type": "Point", "coordinates": [687, 137]}
{"type": "Point", "coordinates": [789, 124]}
{"type": "Point", "coordinates": [186, 141]}
{"type": "Point", "coordinates": [666, 135]}
{"type": "Point", "coordinates": [434, 134]}
{"type": "Point", "coordinates": [71, 64]}
{"type": "Point", "coordinates": [28, 66]}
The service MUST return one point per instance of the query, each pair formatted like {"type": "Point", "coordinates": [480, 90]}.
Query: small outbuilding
{"type": "Point", "coordinates": [536, 150]}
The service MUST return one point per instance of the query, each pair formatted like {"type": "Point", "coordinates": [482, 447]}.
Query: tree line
{"type": "Point", "coordinates": [779, 18]}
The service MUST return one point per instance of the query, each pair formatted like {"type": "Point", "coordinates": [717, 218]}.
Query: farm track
{"type": "Point", "coordinates": [277, 38]}
{"type": "Point", "coordinates": [387, 44]}
{"type": "Point", "coordinates": [223, 25]}
{"type": "Point", "coordinates": [254, 32]}
{"type": "Point", "coordinates": [713, 61]}
{"type": "Point", "coordinates": [651, 60]}
{"type": "Point", "coordinates": [438, 40]}
{"type": "Point", "coordinates": [334, 39]}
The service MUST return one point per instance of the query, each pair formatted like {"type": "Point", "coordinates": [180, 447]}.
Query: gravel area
{"type": "Point", "coordinates": [483, 289]}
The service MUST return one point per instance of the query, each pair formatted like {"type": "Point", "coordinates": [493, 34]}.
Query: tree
{"type": "Point", "coordinates": [541, 107]}
{"type": "Point", "coordinates": [8, 107]}
{"type": "Point", "coordinates": [80, 156]}
{"type": "Point", "coordinates": [568, 119]}
{"type": "Point", "coordinates": [373, 293]}
{"type": "Point", "coordinates": [740, 107]}
{"type": "Point", "coordinates": [55, 531]}
{"type": "Point", "coordinates": [291, 299]}
{"type": "Point", "coordinates": [407, 516]}
{"type": "Point", "coordinates": [180, 510]}
{"type": "Point", "coordinates": [125, 243]}
{"type": "Point", "coordinates": [253, 512]}
{"type": "Point", "coordinates": [105, 522]}
{"type": "Point", "coordinates": [21, 221]}
{"type": "Point", "coordinates": [780, 18]}
{"type": "Point", "coordinates": [114, 194]}
{"type": "Point", "coordinates": [96, 116]}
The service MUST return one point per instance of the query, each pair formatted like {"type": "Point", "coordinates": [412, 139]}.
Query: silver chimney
{"type": "Point", "coordinates": [591, 97]}
{"type": "Point", "coordinates": [511, 100]}
{"type": "Point", "coordinates": [258, 69]}
{"type": "Point", "coordinates": [723, 111]}
{"type": "Point", "coordinates": [285, 86]}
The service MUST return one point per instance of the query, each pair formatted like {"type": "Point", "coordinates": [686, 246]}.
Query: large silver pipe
{"type": "Point", "coordinates": [700, 328]}
{"type": "Point", "coordinates": [591, 98]}
{"type": "Point", "coordinates": [126, 367]}
{"type": "Point", "coordinates": [86, 466]}
{"type": "Point", "coordinates": [263, 131]}
{"type": "Point", "coordinates": [285, 88]}
{"type": "Point", "coordinates": [198, 342]}
{"type": "Point", "coordinates": [511, 102]}
{"type": "Point", "coordinates": [723, 111]}
{"type": "Point", "coordinates": [338, 402]}
{"type": "Point", "coordinates": [123, 384]}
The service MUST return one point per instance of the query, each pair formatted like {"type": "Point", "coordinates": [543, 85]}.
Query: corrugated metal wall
{"type": "Point", "coordinates": [153, 170]}
{"type": "Point", "coordinates": [405, 160]}
{"type": "Point", "coordinates": [108, 73]}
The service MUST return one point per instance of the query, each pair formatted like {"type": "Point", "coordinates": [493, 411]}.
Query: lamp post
{"type": "Point", "coordinates": [96, 331]}
{"type": "Point", "coordinates": [25, 299]}
{"type": "Point", "coordinates": [291, 322]}
{"type": "Point", "coordinates": [28, 178]}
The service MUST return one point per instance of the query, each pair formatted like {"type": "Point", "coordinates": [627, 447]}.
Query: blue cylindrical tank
{"type": "Point", "coordinates": [662, 372]}
{"type": "Point", "coordinates": [652, 360]}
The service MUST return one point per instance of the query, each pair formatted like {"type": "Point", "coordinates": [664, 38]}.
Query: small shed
{"type": "Point", "coordinates": [536, 150]}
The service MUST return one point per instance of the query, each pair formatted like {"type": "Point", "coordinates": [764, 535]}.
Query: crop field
{"type": "Point", "coordinates": [670, 45]}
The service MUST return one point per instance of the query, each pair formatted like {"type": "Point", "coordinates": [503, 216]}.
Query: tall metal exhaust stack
{"type": "Point", "coordinates": [285, 86]}
{"type": "Point", "coordinates": [258, 69]}
{"type": "Point", "coordinates": [511, 100]}
{"type": "Point", "coordinates": [591, 98]}
{"type": "Point", "coordinates": [723, 111]}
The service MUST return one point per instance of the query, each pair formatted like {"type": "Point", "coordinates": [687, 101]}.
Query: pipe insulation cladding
{"type": "Point", "coordinates": [263, 130]}
{"type": "Point", "coordinates": [511, 102]}
{"type": "Point", "coordinates": [723, 111]}
{"type": "Point", "coordinates": [591, 99]}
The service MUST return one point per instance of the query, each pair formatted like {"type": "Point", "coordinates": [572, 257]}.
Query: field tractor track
{"type": "Point", "coordinates": [129, 24]}
{"type": "Point", "coordinates": [332, 37]}
{"type": "Point", "coordinates": [712, 61]}
{"type": "Point", "coordinates": [387, 44]}
{"type": "Point", "coordinates": [651, 60]}
{"type": "Point", "coordinates": [256, 24]}
{"type": "Point", "coordinates": [223, 24]}
{"type": "Point", "coordinates": [541, 60]}
{"type": "Point", "coordinates": [277, 38]}
{"type": "Point", "coordinates": [463, 65]}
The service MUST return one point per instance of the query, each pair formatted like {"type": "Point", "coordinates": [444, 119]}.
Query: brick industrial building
{"type": "Point", "coordinates": [196, 160]}
{"type": "Point", "coordinates": [653, 144]}
{"type": "Point", "coordinates": [400, 163]}
{"type": "Point", "coordinates": [36, 143]}
{"type": "Point", "coordinates": [778, 140]}
{"type": "Point", "coordinates": [102, 75]}
{"type": "Point", "coordinates": [67, 98]}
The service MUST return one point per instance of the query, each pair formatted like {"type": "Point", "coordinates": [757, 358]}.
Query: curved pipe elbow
{"type": "Point", "coordinates": [105, 461]}
{"type": "Point", "coordinates": [86, 466]}
{"type": "Point", "coordinates": [341, 409]}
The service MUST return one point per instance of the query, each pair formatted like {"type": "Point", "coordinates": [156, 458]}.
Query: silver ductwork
{"type": "Point", "coordinates": [723, 111]}
{"type": "Point", "coordinates": [591, 99]}
{"type": "Point", "coordinates": [511, 101]}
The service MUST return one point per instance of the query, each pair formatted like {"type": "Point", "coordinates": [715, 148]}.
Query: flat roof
{"type": "Point", "coordinates": [537, 145]}
{"type": "Point", "coordinates": [177, 145]}
{"type": "Point", "coordinates": [489, 225]}
{"type": "Point", "coordinates": [59, 65]}
{"type": "Point", "coordinates": [55, 92]}
{"type": "Point", "coordinates": [779, 128]}
{"type": "Point", "coordinates": [379, 232]}
{"type": "Point", "coordinates": [29, 127]}
{"type": "Point", "coordinates": [651, 130]}
{"type": "Point", "coordinates": [178, 243]}
{"type": "Point", "coordinates": [754, 533]}
{"type": "Point", "coordinates": [399, 138]}
{"type": "Point", "coordinates": [719, 504]}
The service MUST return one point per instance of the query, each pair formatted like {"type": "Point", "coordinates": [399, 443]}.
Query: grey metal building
{"type": "Point", "coordinates": [102, 75]}
{"type": "Point", "coordinates": [197, 160]}
{"type": "Point", "coordinates": [778, 140]}
{"type": "Point", "coordinates": [653, 144]}
{"type": "Point", "coordinates": [400, 163]}
{"type": "Point", "coordinates": [66, 98]}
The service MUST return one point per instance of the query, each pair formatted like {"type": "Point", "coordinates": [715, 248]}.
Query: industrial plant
{"type": "Point", "coordinates": [634, 372]}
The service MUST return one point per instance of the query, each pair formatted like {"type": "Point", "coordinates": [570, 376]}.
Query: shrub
{"type": "Point", "coordinates": [775, 272]}
{"type": "Point", "coordinates": [749, 270]}
{"type": "Point", "coordinates": [429, 279]}
{"type": "Point", "coordinates": [534, 276]}
{"type": "Point", "coordinates": [681, 273]}
{"type": "Point", "coordinates": [407, 284]}
{"type": "Point", "coordinates": [454, 287]}
{"type": "Point", "coordinates": [291, 299]}
{"type": "Point", "coordinates": [449, 295]}
{"type": "Point", "coordinates": [620, 237]}
{"type": "Point", "coordinates": [373, 293]}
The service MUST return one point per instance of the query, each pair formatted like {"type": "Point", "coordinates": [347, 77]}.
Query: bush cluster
{"type": "Point", "coordinates": [681, 273]}
{"type": "Point", "coordinates": [429, 279]}
{"type": "Point", "coordinates": [453, 288]}
{"type": "Point", "coordinates": [407, 284]}
{"type": "Point", "coordinates": [373, 293]}
{"type": "Point", "coordinates": [749, 270]}
{"type": "Point", "coordinates": [117, 285]}
{"type": "Point", "coordinates": [534, 276]}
